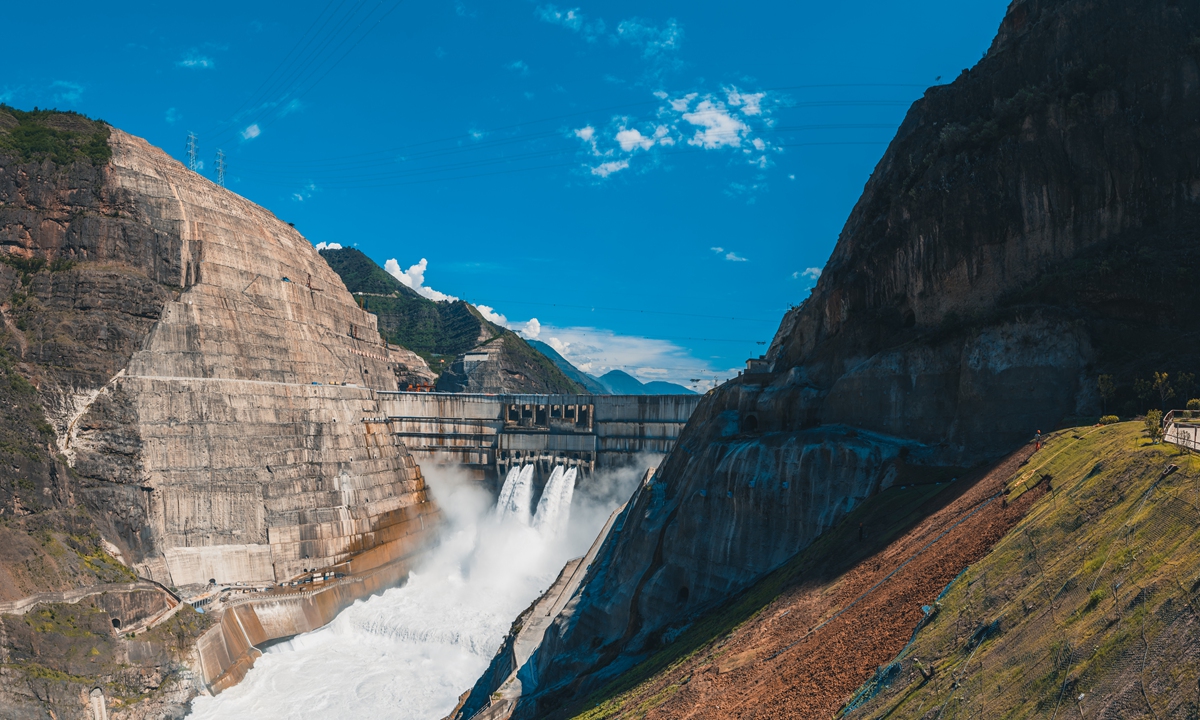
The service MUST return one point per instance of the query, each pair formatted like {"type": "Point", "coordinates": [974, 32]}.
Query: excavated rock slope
{"type": "Point", "coordinates": [190, 389]}
{"type": "Point", "coordinates": [229, 447]}
{"type": "Point", "coordinates": [1033, 224]}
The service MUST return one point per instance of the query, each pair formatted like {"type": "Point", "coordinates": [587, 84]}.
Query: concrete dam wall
{"type": "Point", "coordinates": [489, 434]}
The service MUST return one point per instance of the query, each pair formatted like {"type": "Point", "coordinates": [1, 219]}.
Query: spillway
{"type": "Point", "coordinates": [412, 651]}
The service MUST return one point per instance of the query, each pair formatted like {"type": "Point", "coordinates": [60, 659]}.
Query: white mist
{"type": "Point", "coordinates": [412, 651]}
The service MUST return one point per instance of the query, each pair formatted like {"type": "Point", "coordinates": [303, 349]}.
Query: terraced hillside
{"type": "Point", "coordinates": [1064, 578]}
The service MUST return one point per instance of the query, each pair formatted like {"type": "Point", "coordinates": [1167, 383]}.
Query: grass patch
{"type": "Point", "coordinates": [63, 137]}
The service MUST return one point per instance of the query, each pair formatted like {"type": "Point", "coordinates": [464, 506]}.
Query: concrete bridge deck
{"type": "Point", "coordinates": [488, 434]}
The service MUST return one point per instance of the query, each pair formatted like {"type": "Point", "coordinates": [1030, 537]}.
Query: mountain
{"type": "Point", "coordinates": [622, 383]}
{"type": "Point", "coordinates": [444, 332]}
{"type": "Point", "coordinates": [589, 383]}
{"type": "Point", "coordinates": [185, 385]}
{"type": "Point", "coordinates": [613, 382]}
{"type": "Point", "coordinates": [661, 387]}
{"type": "Point", "coordinates": [1032, 227]}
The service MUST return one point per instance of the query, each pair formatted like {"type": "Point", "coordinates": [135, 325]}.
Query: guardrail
{"type": "Point", "coordinates": [1182, 428]}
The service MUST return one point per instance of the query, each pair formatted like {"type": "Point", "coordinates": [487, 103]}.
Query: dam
{"type": "Point", "coordinates": [490, 434]}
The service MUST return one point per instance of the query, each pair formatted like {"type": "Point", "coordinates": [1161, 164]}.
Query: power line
{"type": "Point", "coordinates": [254, 95]}
{"type": "Point", "coordinates": [573, 163]}
{"type": "Point", "coordinates": [292, 79]}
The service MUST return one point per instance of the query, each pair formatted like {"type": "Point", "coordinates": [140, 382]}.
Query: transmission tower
{"type": "Point", "coordinates": [191, 152]}
{"type": "Point", "coordinates": [221, 168]}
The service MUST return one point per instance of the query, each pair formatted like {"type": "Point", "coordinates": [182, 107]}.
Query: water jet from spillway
{"type": "Point", "coordinates": [410, 652]}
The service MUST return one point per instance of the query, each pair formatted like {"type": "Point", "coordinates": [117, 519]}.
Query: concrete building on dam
{"type": "Point", "coordinates": [489, 434]}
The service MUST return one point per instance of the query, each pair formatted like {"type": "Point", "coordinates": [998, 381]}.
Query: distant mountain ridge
{"type": "Point", "coordinates": [613, 382]}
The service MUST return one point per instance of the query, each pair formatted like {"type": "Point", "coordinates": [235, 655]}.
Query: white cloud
{"type": "Point", "coordinates": [597, 351]}
{"type": "Point", "coordinates": [328, 246]}
{"type": "Point", "coordinates": [750, 103]}
{"type": "Point", "coordinates": [791, 177]}
{"type": "Point", "coordinates": [608, 168]}
{"type": "Point", "coordinates": [196, 61]}
{"type": "Point", "coordinates": [703, 121]}
{"type": "Point", "coordinates": [251, 132]}
{"type": "Point", "coordinates": [734, 257]}
{"type": "Point", "coordinates": [652, 40]}
{"type": "Point", "coordinates": [414, 277]}
{"type": "Point", "coordinates": [491, 315]}
{"type": "Point", "coordinates": [717, 250]}
{"type": "Point", "coordinates": [518, 66]}
{"type": "Point", "coordinates": [633, 138]}
{"type": "Point", "coordinates": [719, 127]}
{"type": "Point", "coordinates": [66, 93]}
{"type": "Point", "coordinates": [680, 105]}
{"type": "Point", "coordinates": [172, 116]}
{"type": "Point", "coordinates": [305, 193]}
{"type": "Point", "coordinates": [812, 273]}
{"type": "Point", "coordinates": [290, 108]}
{"type": "Point", "coordinates": [531, 329]}
{"type": "Point", "coordinates": [573, 20]}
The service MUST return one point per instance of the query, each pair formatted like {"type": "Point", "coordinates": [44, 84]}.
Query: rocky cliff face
{"type": "Point", "coordinates": [205, 380]}
{"type": "Point", "coordinates": [1032, 225]}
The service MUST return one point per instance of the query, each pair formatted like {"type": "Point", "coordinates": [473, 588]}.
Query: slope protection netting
{"type": "Point", "coordinates": [1088, 608]}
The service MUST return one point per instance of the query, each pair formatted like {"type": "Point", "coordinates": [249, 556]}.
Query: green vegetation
{"type": "Point", "coordinates": [1093, 596]}
{"type": "Point", "coordinates": [1193, 404]}
{"type": "Point", "coordinates": [362, 275]}
{"type": "Point", "coordinates": [1153, 423]}
{"type": "Point", "coordinates": [1109, 419]}
{"type": "Point", "coordinates": [63, 137]}
{"type": "Point", "coordinates": [437, 331]}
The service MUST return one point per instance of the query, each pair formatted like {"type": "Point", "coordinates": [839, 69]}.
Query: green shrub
{"type": "Point", "coordinates": [61, 136]}
{"type": "Point", "coordinates": [1109, 420]}
{"type": "Point", "coordinates": [1154, 426]}
{"type": "Point", "coordinates": [1193, 404]}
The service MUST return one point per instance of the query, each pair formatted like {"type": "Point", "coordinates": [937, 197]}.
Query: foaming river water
{"type": "Point", "coordinates": [412, 651]}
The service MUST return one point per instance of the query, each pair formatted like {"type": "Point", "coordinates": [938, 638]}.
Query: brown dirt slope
{"type": "Point", "coordinates": [800, 641]}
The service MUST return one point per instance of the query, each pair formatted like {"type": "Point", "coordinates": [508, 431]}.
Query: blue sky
{"type": "Point", "coordinates": [654, 183]}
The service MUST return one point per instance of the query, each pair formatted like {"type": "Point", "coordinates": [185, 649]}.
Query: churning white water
{"type": "Point", "coordinates": [410, 652]}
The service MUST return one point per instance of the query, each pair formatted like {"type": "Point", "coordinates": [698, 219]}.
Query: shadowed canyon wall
{"type": "Point", "coordinates": [1033, 224]}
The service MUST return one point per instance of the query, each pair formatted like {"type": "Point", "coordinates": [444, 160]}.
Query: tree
{"type": "Point", "coordinates": [1193, 404]}
{"type": "Point", "coordinates": [1162, 387]}
{"type": "Point", "coordinates": [1108, 388]}
{"type": "Point", "coordinates": [1185, 384]}
{"type": "Point", "coordinates": [1154, 426]}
